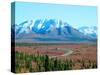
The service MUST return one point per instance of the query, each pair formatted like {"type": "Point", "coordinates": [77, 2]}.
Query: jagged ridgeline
{"type": "Point", "coordinates": [50, 30]}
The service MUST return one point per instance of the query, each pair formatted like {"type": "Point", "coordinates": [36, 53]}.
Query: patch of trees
{"type": "Point", "coordinates": [41, 63]}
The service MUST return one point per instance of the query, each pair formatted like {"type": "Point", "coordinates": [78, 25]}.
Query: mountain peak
{"type": "Point", "coordinates": [49, 30]}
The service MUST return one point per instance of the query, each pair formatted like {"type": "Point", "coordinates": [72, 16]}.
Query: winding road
{"type": "Point", "coordinates": [67, 52]}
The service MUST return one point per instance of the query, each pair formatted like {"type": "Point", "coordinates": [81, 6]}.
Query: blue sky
{"type": "Point", "coordinates": [75, 15]}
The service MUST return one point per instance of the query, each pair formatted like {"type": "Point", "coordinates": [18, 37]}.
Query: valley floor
{"type": "Point", "coordinates": [42, 57]}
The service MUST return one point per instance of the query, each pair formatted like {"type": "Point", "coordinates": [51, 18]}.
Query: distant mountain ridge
{"type": "Point", "coordinates": [48, 30]}
{"type": "Point", "coordinates": [92, 31]}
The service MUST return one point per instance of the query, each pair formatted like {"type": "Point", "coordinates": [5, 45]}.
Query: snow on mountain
{"type": "Point", "coordinates": [51, 30]}
{"type": "Point", "coordinates": [92, 31]}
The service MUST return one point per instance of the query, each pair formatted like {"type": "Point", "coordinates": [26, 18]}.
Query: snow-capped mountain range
{"type": "Point", "coordinates": [51, 30]}
{"type": "Point", "coordinates": [92, 31]}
